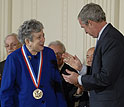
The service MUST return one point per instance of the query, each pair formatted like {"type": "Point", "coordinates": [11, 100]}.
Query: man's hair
{"type": "Point", "coordinates": [12, 34]}
{"type": "Point", "coordinates": [92, 12]}
{"type": "Point", "coordinates": [91, 48]}
{"type": "Point", "coordinates": [27, 28]}
{"type": "Point", "coordinates": [57, 42]}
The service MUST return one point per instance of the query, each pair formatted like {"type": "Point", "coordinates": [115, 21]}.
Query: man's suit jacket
{"type": "Point", "coordinates": [70, 90]}
{"type": "Point", "coordinates": [67, 87]}
{"type": "Point", "coordinates": [1, 69]}
{"type": "Point", "coordinates": [106, 83]}
{"type": "Point", "coordinates": [2, 66]}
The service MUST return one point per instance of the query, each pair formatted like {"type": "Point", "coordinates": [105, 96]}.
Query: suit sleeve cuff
{"type": "Point", "coordinates": [83, 70]}
{"type": "Point", "coordinates": [79, 80]}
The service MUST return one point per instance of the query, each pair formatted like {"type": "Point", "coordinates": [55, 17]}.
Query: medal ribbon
{"type": "Point", "coordinates": [36, 82]}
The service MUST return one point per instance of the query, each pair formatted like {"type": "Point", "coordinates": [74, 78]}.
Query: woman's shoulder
{"type": "Point", "coordinates": [47, 49]}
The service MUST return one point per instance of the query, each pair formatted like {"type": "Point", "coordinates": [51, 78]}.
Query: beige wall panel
{"type": "Point", "coordinates": [121, 16]}
{"type": "Point", "coordinates": [22, 10]}
{"type": "Point", "coordinates": [5, 24]}
{"type": "Point", "coordinates": [49, 12]}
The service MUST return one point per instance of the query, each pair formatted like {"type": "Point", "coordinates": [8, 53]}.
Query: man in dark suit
{"type": "Point", "coordinates": [11, 44]}
{"type": "Point", "coordinates": [69, 89]}
{"type": "Point", "coordinates": [107, 72]}
{"type": "Point", "coordinates": [1, 69]}
{"type": "Point", "coordinates": [81, 95]}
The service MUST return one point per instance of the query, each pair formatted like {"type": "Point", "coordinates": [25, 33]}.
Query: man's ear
{"type": "Point", "coordinates": [27, 41]}
{"type": "Point", "coordinates": [89, 22]}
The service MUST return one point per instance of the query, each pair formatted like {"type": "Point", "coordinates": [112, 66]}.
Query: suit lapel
{"type": "Point", "coordinates": [103, 35]}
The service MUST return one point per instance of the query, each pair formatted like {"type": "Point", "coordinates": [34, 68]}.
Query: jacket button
{"type": "Point", "coordinates": [41, 86]}
{"type": "Point", "coordinates": [43, 101]}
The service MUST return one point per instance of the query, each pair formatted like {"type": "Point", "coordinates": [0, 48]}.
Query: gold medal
{"type": "Point", "coordinates": [37, 94]}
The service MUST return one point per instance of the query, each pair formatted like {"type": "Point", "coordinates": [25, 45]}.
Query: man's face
{"type": "Point", "coordinates": [90, 28]}
{"type": "Point", "coordinates": [58, 51]}
{"type": "Point", "coordinates": [11, 44]}
{"type": "Point", "coordinates": [37, 44]}
{"type": "Point", "coordinates": [89, 56]}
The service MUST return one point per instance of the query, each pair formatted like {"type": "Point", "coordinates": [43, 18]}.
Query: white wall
{"type": "Point", "coordinates": [121, 16]}
{"type": "Point", "coordinates": [5, 24]}
{"type": "Point", "coordinates": [60, 20]}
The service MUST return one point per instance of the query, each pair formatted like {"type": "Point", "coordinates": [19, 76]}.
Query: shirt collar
{"type": "Point", "coordinates": [29, 54]}
{"type": "Point", "coordinates": [61, 67]}
{"type": "Point", "coordinates": [101, 31]}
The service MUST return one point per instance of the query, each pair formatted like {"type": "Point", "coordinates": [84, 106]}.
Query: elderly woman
{"type": "Point", "coordinates": [31, 77]}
